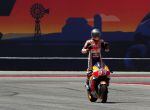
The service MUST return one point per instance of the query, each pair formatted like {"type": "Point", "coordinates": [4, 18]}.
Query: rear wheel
{"type": "Point", "coordinates": [91, 98]}
{"type": "Point", "coordinates": [103, 93]}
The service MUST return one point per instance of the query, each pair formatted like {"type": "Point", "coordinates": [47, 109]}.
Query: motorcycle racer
{"type": "Point", "coordinates": [93, 46]}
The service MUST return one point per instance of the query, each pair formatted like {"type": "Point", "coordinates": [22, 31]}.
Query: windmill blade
{"type": "Point", "coordinates": [47, 11]}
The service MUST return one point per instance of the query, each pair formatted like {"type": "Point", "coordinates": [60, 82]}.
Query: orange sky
{"type": "Point", "coordinates": [125, 14]}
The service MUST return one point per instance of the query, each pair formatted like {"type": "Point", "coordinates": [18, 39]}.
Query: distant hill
{"type": "Point", "coordinates": [108, 36]}
{"type": "Point", "coordinates": [144, 26]}
{"type": "Point", "coordinates": [16, 35]}
{"type": "Point", "coordinates": [118, 36]}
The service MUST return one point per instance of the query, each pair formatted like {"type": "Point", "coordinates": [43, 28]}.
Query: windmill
{"type": "Point", "coordinates": [38, 11]}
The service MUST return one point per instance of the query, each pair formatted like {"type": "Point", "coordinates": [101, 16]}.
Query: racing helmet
{"type": "Point", "coordinates": [95, 34]}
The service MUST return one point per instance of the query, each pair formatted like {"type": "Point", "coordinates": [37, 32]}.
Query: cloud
{"type": "Point", "coordinates": [90, 19]}
{"type": "Point", "coordinates": [110, 18]}
{"type": "Point", "coordinates": [107, 18]}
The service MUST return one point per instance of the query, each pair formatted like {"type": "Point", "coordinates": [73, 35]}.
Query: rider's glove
{"type": "Point", "coordinates": [84, 51]}
{"type": "Point", "coordinates": [89, 73]}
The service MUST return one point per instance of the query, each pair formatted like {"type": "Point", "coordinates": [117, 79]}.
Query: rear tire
{"type": "Point", "coordinates": [103, 93]}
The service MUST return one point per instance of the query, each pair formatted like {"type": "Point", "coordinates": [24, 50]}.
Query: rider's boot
{"type": "Point", "coordinates": [87, 84]}
{"type": "Point", "coordinates": [87, 80]}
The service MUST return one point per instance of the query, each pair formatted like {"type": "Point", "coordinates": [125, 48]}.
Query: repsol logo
{"type": "Point", "coordinates": [6, 7]}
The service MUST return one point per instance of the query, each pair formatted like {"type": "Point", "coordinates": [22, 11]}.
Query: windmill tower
{"type": "Point", "coordinates": [38, 11]}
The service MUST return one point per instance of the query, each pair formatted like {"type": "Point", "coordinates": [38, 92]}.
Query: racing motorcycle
{"type": "Point", "coordinates": [99, 79]}
{"type": "Point", "coordinates": [98, 83]}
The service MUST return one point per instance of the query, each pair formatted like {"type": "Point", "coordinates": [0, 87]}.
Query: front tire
{"type": "Point", "coordinates": [103, 91]}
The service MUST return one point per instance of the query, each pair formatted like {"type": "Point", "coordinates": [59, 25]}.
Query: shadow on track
{"type": "Point", "coordinates": [116, 102]}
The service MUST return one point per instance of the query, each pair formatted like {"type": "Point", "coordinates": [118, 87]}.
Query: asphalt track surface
{"type": "Point", "coordinates": [65, 91]}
